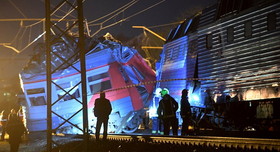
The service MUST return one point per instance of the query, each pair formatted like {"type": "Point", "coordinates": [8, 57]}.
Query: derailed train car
{"type": "Point", "coordinates": [236, 47]}
{"type": "Point", "coordinates": [110, 67]}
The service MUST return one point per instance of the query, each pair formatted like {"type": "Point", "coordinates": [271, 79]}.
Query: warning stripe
{"type": "Point", "coordinates": [151, 82]}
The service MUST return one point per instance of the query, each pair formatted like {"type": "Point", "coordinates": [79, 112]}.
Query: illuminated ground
{"type": "Point", "coordinates": [35, 142]}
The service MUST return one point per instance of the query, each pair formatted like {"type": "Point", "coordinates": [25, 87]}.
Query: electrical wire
{"type": "Point", "coordinates": [19, 30]}
{"type": "Point", "coordinates": [39, 36]}
{"type": "Point", "coordinates": [120, 10]}
{"type": "Point", "coordinates": [59, 10]}
{"type": "Point", "coordinates": [144, 10]}
{"type": "Point", "coordinates": [128, 4]}
{"type": "Point", "coordinates": [35, 23]}
{"type": "Point", "coordinates": [18, 9]}
{"type": "Point", "coordinates": [125, 19]}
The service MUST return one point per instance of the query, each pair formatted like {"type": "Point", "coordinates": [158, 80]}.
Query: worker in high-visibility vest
{"type": "Point", "coordinates": [167, 112]}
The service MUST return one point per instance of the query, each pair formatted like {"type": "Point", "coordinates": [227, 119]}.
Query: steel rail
{"type": "Point", "coordinates": [209, 141]}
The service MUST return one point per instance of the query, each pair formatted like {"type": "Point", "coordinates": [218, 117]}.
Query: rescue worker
{"type": "Point", "coordinates": [13, 115]}
{"type": "Point", "coordinates": [15, 129]}
{"type": "Point", "coordinates": [157, 126]}
{"type": "Point", "coordinates": [167, 112]}
{"type": "Point", "coordinates": [208, 100]}
{"type": "Point", "coordinates": [21, 117]}
{"type": "Point", "coordinates": [102, 110]}
{"type": "Point", "coordinates": [185, 112]}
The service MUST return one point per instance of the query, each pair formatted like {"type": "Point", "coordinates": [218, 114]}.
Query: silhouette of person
{"type": "Point", "coordinates": [15, 129]}
{"type": "Point", "coordinates": [102, 110]}
{"type": "Point", "coordinates": [13, 115]}
{"type": "Point", "coordinates": [3, 120]}
{"type": "Point", "coordinates": [167, 112]}
{"type": "Point", "coordinates": [185, 112]}
{"type": "Point", "coordinates": [208, 101]}
{"type": "Point", "coordinates": [21, 117]}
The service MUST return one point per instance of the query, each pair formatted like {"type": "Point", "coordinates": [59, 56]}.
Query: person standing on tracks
{"type": "Point", "coordinates": [185, 112]}
{"type": "Point", "coordinates": [102, 110]}
{"type": "Point", "coordinates": [208, 101]}
{"type": "Point", "coordinates": [167, 112]}
{"type": "Point", "coordinates": [3, 121]}
{"type": "Point", "coordinates": [15, 129]}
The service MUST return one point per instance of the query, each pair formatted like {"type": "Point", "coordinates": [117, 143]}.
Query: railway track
{"type": "Point", "coordinates": [143, 142]}
{"type": "Point", "coordinates": [205, 141]}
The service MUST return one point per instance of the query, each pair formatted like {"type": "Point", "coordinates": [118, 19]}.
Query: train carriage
{"type": "Point", "coordinates": [235, 46]}
{"type": "Point", "coordinates": [110, 67]}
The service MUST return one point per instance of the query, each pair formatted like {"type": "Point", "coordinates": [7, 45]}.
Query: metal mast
{"type": "Point", "coordinates": [75, 44]}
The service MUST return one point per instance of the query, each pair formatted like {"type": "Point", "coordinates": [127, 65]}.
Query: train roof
{"type": "Point", "coordinates": [220, 11]}
{"type": "Point", "coordinates": [99, 51]}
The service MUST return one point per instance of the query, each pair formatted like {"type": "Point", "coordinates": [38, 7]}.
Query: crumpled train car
{"type": "Point", "coordinates": [110, 67]}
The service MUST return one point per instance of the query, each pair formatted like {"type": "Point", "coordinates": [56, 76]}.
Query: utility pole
{"type": "Point", "coordinates": [54, 31]}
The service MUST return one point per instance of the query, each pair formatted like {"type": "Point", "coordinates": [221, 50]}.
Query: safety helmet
{"type": "Point", "coordinates": [164, 91]}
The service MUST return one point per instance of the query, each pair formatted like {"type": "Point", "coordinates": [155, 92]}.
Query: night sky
{"type": "Point", "coordinates": [19, 33]}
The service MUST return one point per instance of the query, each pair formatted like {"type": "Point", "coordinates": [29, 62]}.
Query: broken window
{"type": "Point", "coordinates": [105, 85]}
{"type": "Point", "coordinates": [37, 101]}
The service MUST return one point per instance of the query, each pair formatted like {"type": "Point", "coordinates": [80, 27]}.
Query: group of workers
{"type": "Point", "coordinates": [166, 112]}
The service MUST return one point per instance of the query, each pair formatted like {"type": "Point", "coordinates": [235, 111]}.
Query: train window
{"type": "Point", "coordinates": [187, 26]}
{"type": "Point", "coordinates": [35, 91]}
{"type": "Point", "coordinates": [125, 77]}
{"type": "Point", "coordinates": [105, 85]}
{"type": "Point", "coordinates": [176, 31]}
{"type": "Point", "coordinates": [175, 53]}
{"type": "Point", "coordinates": [73, 95]}
{"type": "Point", "coordinates": [126, 55]}
{"type": "Point", "coordinates": [138, 73]}
{"type": "Point", "coordinates": [98, 76]}
{"type": "Point", "coordinates": [230, 34]}
{"type": "Point", "coordinates": [170, 35]}
{"type": "Point", "coordinates": [37, 101]}
{"type": "Point", "coordinates": [168, 55]}
{"type": "Point", "coordinates": [248, 29]}
{"type": "Point", "coordinates": [209, 41]}
{"type": "Point", "coordinates": [271, 21]}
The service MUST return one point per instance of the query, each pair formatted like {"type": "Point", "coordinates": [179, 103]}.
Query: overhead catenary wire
{"type": "Point", "coordinates": [18, 32]}
{"type": "Point", "coordinates": [125, 19]}
{"type": "Point", "coordinates": [39, 36]}
{"type": "Point", "coordinates": [113, 12]}
{"type": "Point", "coordinates": [18, 9]}
{"type": "Point", "coordinates": [101, 28]}
{"type": "Point", "coordinates": [122, 9]}
{"type": "Point", "coordinates": [21, 23]}
{"type": "Point", "coordinates": [144, 10]}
